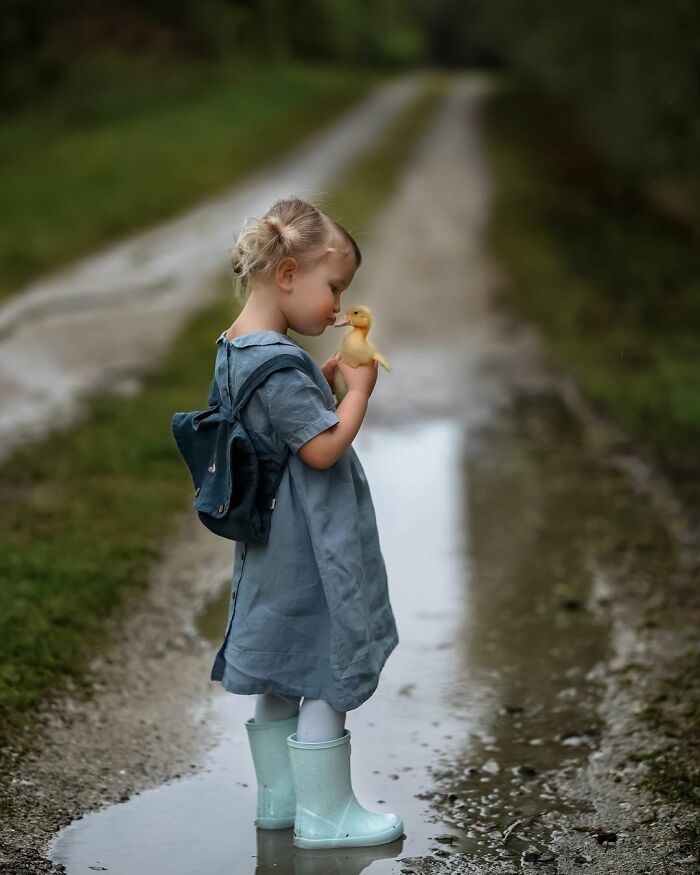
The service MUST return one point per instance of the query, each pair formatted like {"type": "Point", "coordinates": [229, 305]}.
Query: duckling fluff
{"type": "Point", "coordinates": [355, 349]}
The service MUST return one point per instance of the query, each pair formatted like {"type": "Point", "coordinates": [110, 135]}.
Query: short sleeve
{"type": "Point", "coordinates": [296, 407]}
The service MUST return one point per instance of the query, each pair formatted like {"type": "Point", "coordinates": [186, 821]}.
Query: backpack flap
{"type": "Point", "coordinates": [231, 466]}
{"type": "Point", "coordinates": [220, 458]}
{"type": "Point", "coordinates": [195, 436]}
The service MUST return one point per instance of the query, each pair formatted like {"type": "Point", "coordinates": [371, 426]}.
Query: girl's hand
{"type": "Point", "coordinates": [362, 377]}
{"type": "Point", "coordinates": [328, 368]}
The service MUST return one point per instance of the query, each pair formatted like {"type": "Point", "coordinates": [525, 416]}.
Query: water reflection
{"type": "Point", "coordinates": [540, 517]}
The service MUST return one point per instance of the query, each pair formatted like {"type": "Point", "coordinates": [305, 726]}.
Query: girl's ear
{"type": "Point", "coordinates": [284, 272]}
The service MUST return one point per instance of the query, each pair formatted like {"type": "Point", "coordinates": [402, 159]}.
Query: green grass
{"type": "Point", "coordinates": [133, 142]}
{"type": "Point", "coordinates": [84, 513]}
{"type": "Point", "coordinates": [89, 508]}
{"type": "Point", "coordinates": [614, 286]}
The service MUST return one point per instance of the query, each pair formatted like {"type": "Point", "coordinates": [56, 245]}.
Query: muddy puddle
{"type": "Point", "coordinates": [491, 540]}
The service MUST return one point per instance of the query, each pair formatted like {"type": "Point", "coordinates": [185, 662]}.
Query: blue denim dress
{"type": "Point", "coordinates": [309, 613]}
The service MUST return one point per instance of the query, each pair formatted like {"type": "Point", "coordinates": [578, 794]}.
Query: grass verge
{"type": "Point", "coordinates": [614, 286]}
{"type": "Point", "coordinates": [89, 508]}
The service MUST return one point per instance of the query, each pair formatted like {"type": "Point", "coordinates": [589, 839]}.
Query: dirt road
{"type": "Point", "coordinates": [504, 721]}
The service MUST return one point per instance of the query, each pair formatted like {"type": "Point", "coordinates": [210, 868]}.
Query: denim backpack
{"type": "Point", "coordinates": [234, 486]}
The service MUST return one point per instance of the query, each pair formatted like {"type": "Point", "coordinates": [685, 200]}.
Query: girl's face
{"type": "Point", "coordinates": [316, 298]}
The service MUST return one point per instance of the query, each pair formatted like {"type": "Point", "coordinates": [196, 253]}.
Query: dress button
{"type": "Point", "coordinates": [221, 508]}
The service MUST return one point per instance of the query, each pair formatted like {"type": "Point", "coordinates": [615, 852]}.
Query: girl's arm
{"type": "Point", "coordinates": [324, 449]}
{"type": "Point", "coordinates": [327, 447]}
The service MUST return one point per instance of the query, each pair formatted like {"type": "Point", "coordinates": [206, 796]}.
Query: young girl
{"type": "Point", "coordinates": [310, 614]}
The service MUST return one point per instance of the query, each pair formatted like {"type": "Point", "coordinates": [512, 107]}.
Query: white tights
{"type": "Point", "coordinates": [318, 721]}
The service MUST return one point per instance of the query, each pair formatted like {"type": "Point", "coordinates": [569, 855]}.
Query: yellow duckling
{"type": "Point", "coordinates": [355, 348]}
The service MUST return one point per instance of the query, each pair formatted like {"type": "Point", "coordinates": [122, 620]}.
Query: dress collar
{"type": "Point", "coordinates": [257, 338]}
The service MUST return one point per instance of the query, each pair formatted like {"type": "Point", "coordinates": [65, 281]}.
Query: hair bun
{"type": "Point", "coordinates": [276, 224]}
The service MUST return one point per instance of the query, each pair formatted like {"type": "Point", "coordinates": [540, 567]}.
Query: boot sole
{"type": "Point", "coordinates": [274, 822]}
{"type": "Point", "coordinates": [389, 835]}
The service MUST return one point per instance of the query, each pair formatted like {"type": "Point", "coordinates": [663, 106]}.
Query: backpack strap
{"type": "Point", "coordinates": [283, 360]}
{"type": "Point", "coordinates": [214, 396]}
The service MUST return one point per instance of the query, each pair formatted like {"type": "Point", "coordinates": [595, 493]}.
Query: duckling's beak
{"type": "Point", "coordinates": [341, 323]}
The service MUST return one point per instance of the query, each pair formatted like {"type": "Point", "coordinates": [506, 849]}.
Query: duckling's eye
{"type": "Point", "coordinates": [355, 312]}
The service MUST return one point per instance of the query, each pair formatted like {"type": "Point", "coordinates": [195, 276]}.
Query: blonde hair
{"type": "Point", "coordinates": [291, 227]}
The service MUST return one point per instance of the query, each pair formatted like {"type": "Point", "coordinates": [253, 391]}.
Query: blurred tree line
{"type": "Point", "coordinates": [628, 72]}
{"type": "Point", "coordinates": [41, 40]}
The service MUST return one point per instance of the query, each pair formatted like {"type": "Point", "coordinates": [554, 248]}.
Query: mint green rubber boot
{"type": "Point", "coordinates": [276, 804]}
{"type": "Point", "coordinates": [328, 814]}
